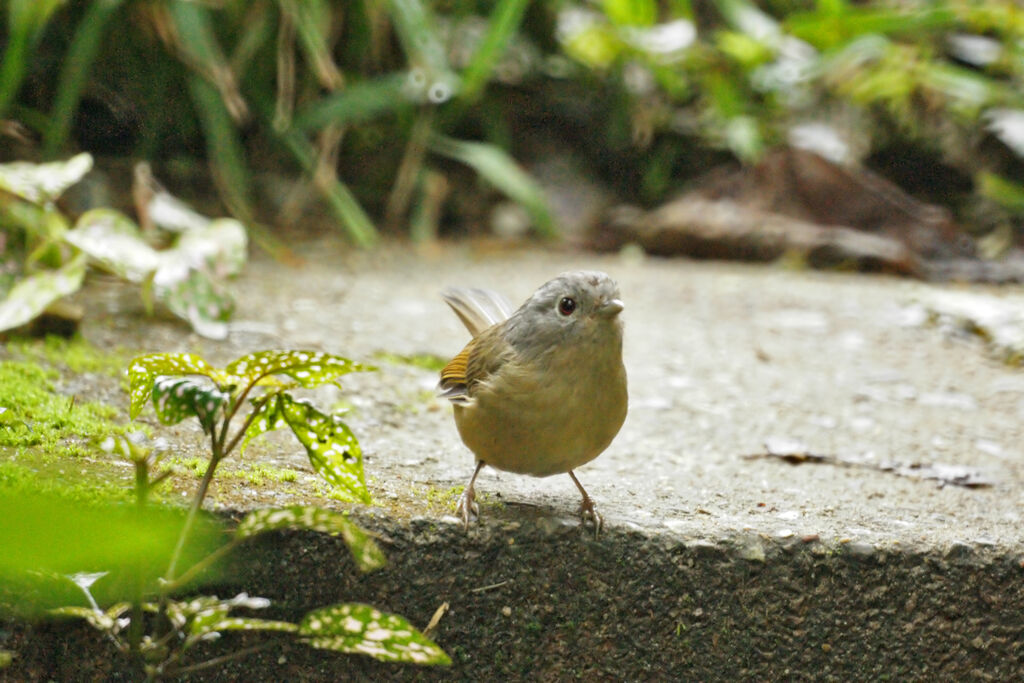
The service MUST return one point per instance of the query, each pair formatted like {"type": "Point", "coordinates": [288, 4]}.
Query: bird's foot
{"type": "Point", "coordinates": [467, 507]}
{"type": "Point", "coordinates": [588, 513]}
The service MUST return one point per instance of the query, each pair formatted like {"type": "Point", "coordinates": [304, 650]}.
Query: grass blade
{"type": "Point", "coordinates": [501, 27]}
{"type": "Point", "coordinates": [356, 103]}
{"type": "Point", "coordinates": [224, 148]}
{"type": "Point", "coordinates": [500, 170]}
{"type": "Point", "coordinates": [26, 20]}
{"type": "Point", "coordinates": [75, 72]}
{"type": "Point", "coordinates": [340, 199]}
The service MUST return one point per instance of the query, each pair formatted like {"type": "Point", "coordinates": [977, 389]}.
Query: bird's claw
{"type": "Point", "coordinates": [467, 507]}
{"type": "Point", "coordinates": [588, 513]}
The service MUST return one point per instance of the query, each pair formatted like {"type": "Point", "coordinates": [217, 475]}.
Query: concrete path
{"type": "Point", "coordinates": [713, 565]}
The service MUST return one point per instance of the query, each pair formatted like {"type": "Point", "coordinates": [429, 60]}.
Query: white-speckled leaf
{"type": "Point", "coordinates": [192, 294]}
{"type": "Point", "coordinates": [332, 447]}
{"type": "Point", "coordinates": [268, 418]}
{"type": "Point", "coordinates": [366, 553]}
{"type": "Point", "coordinates": [220, 246]}
{"type": "Point", "coordinates": [101, 621]}
{"type": "Point", "coordinates": [176, 398]}
{"type": "Point", "coordinates": [308, 368]}
{"type": "Point", "coordinates": [43, 183]}
{"type": "Point", "coordinates": [250, 624]}
{"type": "Point", "coordinates": [205, 615]}
{"type": "Point", "coordinates": [114, 241]}
{"type": "Point", "coordinates": [31, 296]}
{"type": "Point", "coordinates": [366, 630]}
{"type": "Point", "coordinates": [143, 370]}
{"type": "Point", "coordinates": [216, 618]}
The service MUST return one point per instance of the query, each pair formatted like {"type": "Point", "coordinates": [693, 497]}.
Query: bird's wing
{"type": "Point", "coordinates": [478, 309]}
{"type": "Point", "coordinates": [472, 366]}
{"type": "Point", "coordinates": [453, 385]}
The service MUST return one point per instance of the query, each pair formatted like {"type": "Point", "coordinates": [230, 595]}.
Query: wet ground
{"type": "Point", "coordinates": [724, 361]}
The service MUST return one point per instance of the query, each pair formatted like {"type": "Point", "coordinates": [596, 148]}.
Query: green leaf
{"type": "Point", "coordinates": [500, 170]}
{"type": "Point", "coordinates": [631, 12]}
{"type": "Point", "coordinates": [144, 369]}
{"type": "Point", "coordinates": [31, 296]}
{"type": "Point", "coordinates": [99, 620]}
{"type": "Point", "coordinates": [416, 27]}
{"type": "Point", "coordinates": [113, 239]}
{"type": "Point", "coordinates": [208, 614]}
{"type": "Point", "coordinates": [221, 245]}
{"type": "Point", "coordinates": [594, 45]}
{"type": "Point", "coordinates": [501, 27]}
{"type": "Point", "coordinates": [312, 19]}
{"type": "Point", "coordinates": [365, 551]}
{"type": "Point", "coordinates": [251, 624]}
{"type": "Point", "coordinates": [366, 630]}
{"type": "Point", "coordinates": [46, 535]}
{"type": "Point", "coordinates": [223, 145]}
{"type": "Point", "coordinates": [26, 20]}
{"type": "Point", "coordinates": [74, 72]}
{"type": "Point", "coordinates": [825, 30]}
{"type": "Point", "coordinates": [43, 183]}
{"type": "Point", "coordinates": [1006, 193]}
{"type": "Point", "coordinates": [268, 418]}
{"type": "Point", "coordinates": [193, 294]}
{"type": "Point", "coordinates": [308, 368]}
{"type": "Point", "coordinates": [176, 398]}
{"type": "Point", "coordinates": [332, 448]}
{"type": "Point", "coordinates": [359, 102]}
{"type": "Point", "coordinates": [342, 203]}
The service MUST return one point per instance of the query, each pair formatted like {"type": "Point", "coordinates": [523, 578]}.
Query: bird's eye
{"type": "Point", "coordinates": [566, 306]}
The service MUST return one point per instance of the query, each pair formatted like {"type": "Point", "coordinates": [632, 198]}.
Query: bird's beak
{"type": "Point", "coordinates": [610, 309]}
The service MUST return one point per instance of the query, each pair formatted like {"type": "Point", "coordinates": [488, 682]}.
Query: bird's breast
{"type": "Point", "coordinates": [555, 415]}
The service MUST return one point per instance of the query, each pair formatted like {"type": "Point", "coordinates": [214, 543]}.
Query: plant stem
{"type": "Point", "coordinates": [220, 660]}
{"type": "Point", "coordinates": [197, 503]}
{"type": "Point", "coordinates": [229, 415]}
{"type": "Point", "coordinates": [218, 450]}
{"type": "Point", "coordinates": [241, 432]}
{"type": "Point", "coordinates": [200, 566]}
{"type": "Point", "coordinates": [142, 485]}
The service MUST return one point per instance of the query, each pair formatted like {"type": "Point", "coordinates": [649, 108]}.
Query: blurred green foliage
{"type": "Point", "coordinates": [130, 544]}
{"type": "Point", "coordinates": [373, 100]}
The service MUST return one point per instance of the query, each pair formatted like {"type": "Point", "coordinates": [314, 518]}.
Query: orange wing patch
{"type": "Point", "coordinates": [453, 376]}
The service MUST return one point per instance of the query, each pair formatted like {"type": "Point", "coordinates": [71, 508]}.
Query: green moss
{"type": "Point", "coordinates": [191, 466]}
{"type": "Point", "coordinates": [443, 497]}
{"type": "Point", "coordinates": [426, 361]}
{"type": "Point", "coordinates": [259, 474]}
{"type": "Point", "coordinates": [35, 415]}
{"type": "Point", "coordinates": [256, 473]}
{"type": "Point", "coordinates": [85, 489]}
{"type": "Point", "coordinates": [76, 354]}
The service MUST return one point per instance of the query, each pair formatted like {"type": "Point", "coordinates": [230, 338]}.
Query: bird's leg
{"type": "Point", "coordinates": [588, 511]}
{"type": "Point", "coordinates": [467, 501]}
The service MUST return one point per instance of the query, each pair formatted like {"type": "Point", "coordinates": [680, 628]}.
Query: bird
{"type": "Point", "coordinates": [542, 390]}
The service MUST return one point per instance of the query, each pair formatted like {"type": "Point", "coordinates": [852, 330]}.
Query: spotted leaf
{"type": "Point", "coordinates": [143, 370]}
{"type": "Point", "coordinates": [176, 398]}
{"type": "Point", "coordinates": [101, 621]}
{"type": "Point", "coordinates": [213, 617]}
{"type": "Point", "coordinates": [32, 295]}
{"type": "Point", "coordinates": [308, 368]}
{"type": "Point", "coordinates": [366, 630]}
{"type": "Point", "coordinates": [43, 183]}
{"type": "Point", "coordinates": [332, 447]}
{"type": "Point", "coordinates": [365, 552]}
{"type": "Point", "coordinates": [268, 417]}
